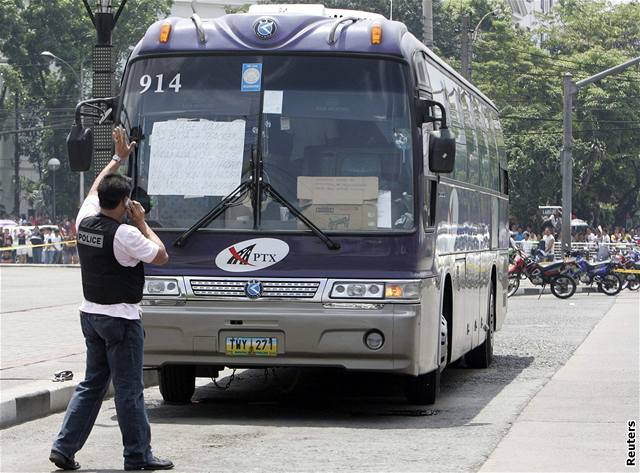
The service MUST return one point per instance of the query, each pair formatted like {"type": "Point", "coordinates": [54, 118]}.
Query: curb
{"type": "Point", "coordinates": [535, 291]}
{"type": "Point", "coordinates": [31, 265]}
{"type": "Point", "coordinates": [49, 401]}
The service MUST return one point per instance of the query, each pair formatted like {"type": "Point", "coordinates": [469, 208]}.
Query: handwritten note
{"type": "Point", "coordinates": [196, 157]}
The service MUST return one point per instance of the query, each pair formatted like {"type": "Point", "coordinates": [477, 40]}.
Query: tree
{"type": "Point", "coordinates": [50, 94]}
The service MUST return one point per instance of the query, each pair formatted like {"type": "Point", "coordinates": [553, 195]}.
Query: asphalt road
{"type": "Point", "coordinates": [306, 420]}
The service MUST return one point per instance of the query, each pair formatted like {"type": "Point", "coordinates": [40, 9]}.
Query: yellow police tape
{"type": "Point", "coordinates": [627, 271]}
{"type": "Point", "coordinates": [7, 248]}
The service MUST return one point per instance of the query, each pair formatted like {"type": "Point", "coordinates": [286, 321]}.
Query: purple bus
{"type": "Point", "coordinates": [331, 194]}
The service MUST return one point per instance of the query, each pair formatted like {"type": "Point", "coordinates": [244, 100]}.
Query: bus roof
{"type": "Point", "coordinates": [298, 28]}
{"type": "Point", "coordinates": [295, 30]}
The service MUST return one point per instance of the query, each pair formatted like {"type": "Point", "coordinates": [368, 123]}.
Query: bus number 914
{"type": "Point", "coordinates": [146, 82]}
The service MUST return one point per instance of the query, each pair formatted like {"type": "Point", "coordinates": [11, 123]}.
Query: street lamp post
{"type": "Point", "coordinates": [54, 164]}
{"type": "Point", "coordinates": [570, 89]}
{"type": "Point", "coordinates": [80, 80]}
{"type": "Point", "coordinates": [467, 42]}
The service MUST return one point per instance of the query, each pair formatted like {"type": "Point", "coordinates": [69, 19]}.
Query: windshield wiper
{"type": "Point", "coordinates": [268, 189]}
{"type": "Point", "coordinates": [235, 196]}
{"type": "Point", "coordinates": [231, 199]}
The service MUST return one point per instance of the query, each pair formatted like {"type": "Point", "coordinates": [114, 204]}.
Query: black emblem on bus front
{"type": "Point", "coordinates": [265, 28]}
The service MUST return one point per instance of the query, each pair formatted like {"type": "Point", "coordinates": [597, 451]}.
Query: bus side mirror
{"type": "Point", "coordinates": [442, 151]}
{"type": "Point", "coordinates": [80, 139]}
{"type": "Point", "coordinates": [80, 148]}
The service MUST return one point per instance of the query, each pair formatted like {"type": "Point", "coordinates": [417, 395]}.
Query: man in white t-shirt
{"type": "Point", "coordinates": [111, 262]}
{"type": "Point", "coordinates": [549, 242]}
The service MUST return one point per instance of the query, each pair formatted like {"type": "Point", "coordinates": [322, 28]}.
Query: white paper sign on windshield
{"type": "Point", "coordinates": [201, 158]}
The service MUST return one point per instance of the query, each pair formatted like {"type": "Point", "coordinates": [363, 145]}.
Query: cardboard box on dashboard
{"type": "Point", "coordinates": [339, 203]}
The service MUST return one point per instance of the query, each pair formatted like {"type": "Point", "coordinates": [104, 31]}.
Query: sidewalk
{"type": "Point", "coordinates": [39, 335]}
{"type": "Point", "coordinates": [578, 420]}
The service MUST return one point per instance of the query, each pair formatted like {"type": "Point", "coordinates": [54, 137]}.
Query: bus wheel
{"type": "Point", "coordinates": [482, 355]}
{"type": "Point", "coordinates": [423, 389]}
{"type": "Point", "coordinates": [177, 383]}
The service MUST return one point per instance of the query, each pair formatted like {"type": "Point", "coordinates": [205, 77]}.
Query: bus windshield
{"type": "Point", "coordinates": [333, 135]}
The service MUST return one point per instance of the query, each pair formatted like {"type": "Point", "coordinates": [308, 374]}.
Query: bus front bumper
{"type": "Point", "coordinates": [308, 334]}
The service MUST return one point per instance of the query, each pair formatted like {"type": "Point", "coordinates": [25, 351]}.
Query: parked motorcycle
{"type": "Point", "coordinates": [600, 273]}
{"type": "Point", "coordinates": [628, 261]}
{"type": "Point", "coordinates": [553, 274]}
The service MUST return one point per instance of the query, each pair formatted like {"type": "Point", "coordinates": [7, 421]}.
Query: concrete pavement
{"type": "Point", "coordinates": [39, 334]}
{"type": "Point", "coordinates": [578, 421]}
{"type": "Point", "coordinates": [330, 420]}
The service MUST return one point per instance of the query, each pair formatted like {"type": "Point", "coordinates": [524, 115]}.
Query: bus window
{"type": "Point", "coordinates": [485, 157]}
{"type": "Point", "coordinates": [341, 122]}
{"type": "Point", "coordinates": [421, 74]}
{"type": "Point", "coordinates": [189, 98]}
{"type": "Point", "coordinates": [473, 169]}
{"type": "Point", "coordinates": [493, 153]}
{"type": "Point", "coordinates": [460, 172]}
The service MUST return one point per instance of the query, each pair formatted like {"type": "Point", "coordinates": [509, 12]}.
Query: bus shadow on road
{"type": "Point", "coordinates": [338, 398]}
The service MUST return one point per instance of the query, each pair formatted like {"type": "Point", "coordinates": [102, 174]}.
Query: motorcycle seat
{"type": "Point", "coordinates": [599, 264]}
{"type": "Point", "coordinates": [554, 265]}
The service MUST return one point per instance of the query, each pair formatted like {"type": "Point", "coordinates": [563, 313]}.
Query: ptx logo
{"type": "Point", "coordinates": [252, 255]}
{"type": "Point", "coordinates": [242, 256]}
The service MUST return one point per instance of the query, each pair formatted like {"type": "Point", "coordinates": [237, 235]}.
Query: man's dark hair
{"type": "Point", "coordinates": [113, 189]}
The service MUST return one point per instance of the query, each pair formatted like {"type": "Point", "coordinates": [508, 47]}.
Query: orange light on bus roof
{"type": "Point", "coordinates": [376, 33]}
{"type": "Point", "coordinates": [165, 31]}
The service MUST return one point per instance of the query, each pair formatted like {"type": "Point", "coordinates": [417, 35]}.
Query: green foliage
{"type": "Point", "coordinates": [582, 37]}
{"type": "Point", "coordinates": [49, 95]}
{"type": "Point", "coordinates": [520, 73]}
{"type": "Point", "coordinates": [230, 9]}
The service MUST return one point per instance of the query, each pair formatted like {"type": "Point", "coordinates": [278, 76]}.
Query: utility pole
{"type": "Point", "coordinates": [16, 159]}
{"type": "Point", "coordinates": [465, 59]}
{"type": "Point", "coordinates": [104, 21]}
{"type": "Point", "coordinates": [570, 89]}
{"type": "Point", "coordinates": [427, 23]}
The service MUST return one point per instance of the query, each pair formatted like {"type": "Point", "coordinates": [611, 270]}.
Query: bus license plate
{"type": "Point", "coordinates": [251, 346]}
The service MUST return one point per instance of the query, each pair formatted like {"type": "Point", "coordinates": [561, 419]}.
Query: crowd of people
{"type": "Point", "coordinates": [527, 240]}
{"type": "Point", "coordinates": [38, 241]}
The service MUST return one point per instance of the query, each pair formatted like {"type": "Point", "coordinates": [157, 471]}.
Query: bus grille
{"type": "Point", "coordinates": [271, 289]}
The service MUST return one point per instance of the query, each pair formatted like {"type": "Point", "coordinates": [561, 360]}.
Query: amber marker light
{"type": "Point", "coordinates": [165, 31]}
{"type": "Point", "coordinates": [376, 33]}
{"type": "Point", "coordinates": [393, 291]}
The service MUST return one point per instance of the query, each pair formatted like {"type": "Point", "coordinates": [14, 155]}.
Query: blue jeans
{"type": "Point", "coordinates": [114, 351]}
{"type": "Point", "coordinates": [37, 255]}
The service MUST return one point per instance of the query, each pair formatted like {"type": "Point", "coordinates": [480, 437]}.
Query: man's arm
{"type": "Point", "coordinates": [136, 213]}
{"type": "Point", "coordinates": [123, 149]}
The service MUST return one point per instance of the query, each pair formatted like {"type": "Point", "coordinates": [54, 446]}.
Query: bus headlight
{"type": "Point", "coordinates": [161, 287]}
{"type": "Point", "coordinates": [357, 290]}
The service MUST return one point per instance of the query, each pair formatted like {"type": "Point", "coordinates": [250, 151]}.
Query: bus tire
{"type": "Point", "coordinates": [177, 383]}
{"type": "Point", "coordinates": [482, 355]}
{"type": "Point", "coordinates": [423, 389]}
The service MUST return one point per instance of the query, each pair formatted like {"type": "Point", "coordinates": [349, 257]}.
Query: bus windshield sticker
{"type": "Point", "coordinates": [272, 102]}
{"type": "Point", "coordinates": [384, 209]}
{"type": "Point", "coordinates": [251, 77]}
{"type": "Point", "coordinates": [203, 157]}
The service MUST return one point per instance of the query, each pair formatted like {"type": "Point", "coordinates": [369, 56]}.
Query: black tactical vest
{"type": "Point", "coordinates": [104, 280]}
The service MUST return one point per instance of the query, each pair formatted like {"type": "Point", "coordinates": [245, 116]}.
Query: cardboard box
{"type": "Point", "coordinates": [339, 203]}
{"type": "Point", "coordinates": [239, 216]}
